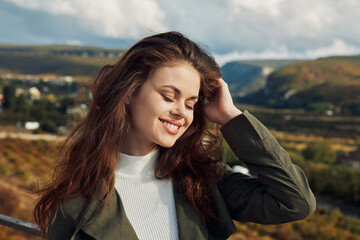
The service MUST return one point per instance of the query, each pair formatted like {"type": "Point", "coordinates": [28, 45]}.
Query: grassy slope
{"type": "Point", "coordinates": [23, 165]}
{"type": "Point", "coordinates": [322, 84]}
{"type": "Point", "coordinates": [304, 75]}
{"type": "Point", "coordinates": [57, 59]}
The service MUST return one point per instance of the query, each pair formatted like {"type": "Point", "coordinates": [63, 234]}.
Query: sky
{"type": "Point", "coordinates": [229, 29]}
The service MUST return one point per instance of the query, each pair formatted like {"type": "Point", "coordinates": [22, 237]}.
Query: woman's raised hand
{"type": "Point", "coordinates": [221, 108]}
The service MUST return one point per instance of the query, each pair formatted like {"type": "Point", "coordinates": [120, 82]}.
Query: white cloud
{"type": "Point", "coordinates": [258, 25]}
{"type": "Point", "coordinates": [336, 48]}
{"type": "Point", "coordinates": [110, 18]}
{"type": "Point", "coordinates": [279, 53]}
{"type": "Point", "coordinates": [269, 6]}
{"type": "Point", "coordinates": [55, 7]}
{"type": "Point", "coordinates": [254, 28]}
{"type": "Point", "coordinates": [307, 18]}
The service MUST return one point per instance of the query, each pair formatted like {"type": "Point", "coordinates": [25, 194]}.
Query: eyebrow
{"type": "Point", "coordinates": [178, 91]}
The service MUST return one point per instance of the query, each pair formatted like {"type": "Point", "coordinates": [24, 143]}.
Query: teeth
{"type": "Point", "coordinates": [169, 125]}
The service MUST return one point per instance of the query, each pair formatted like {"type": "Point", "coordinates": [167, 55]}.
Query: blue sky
{"type": "Point", "coordinates": [230, 29]}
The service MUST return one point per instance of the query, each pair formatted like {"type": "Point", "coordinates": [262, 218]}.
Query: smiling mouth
{"type": "Point", "coordinates": [169, 127]}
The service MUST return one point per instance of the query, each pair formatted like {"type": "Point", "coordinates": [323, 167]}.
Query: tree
{"type": "Point", "coordinates": [9, 98]}
{"type": "Point", "coordinates": [357, 142]}
{"type": "Point", "coordinates": [65, 103]}
{"type": "Point", "coordinates": [320, 152]}
{"type": "Point", "coordinates": [22, 103]}
{"type": "Point", "coordinates": [48, 126]}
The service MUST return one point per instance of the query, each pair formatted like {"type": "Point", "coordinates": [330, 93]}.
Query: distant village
{"type": "Point", "coordinates": [40, 103]}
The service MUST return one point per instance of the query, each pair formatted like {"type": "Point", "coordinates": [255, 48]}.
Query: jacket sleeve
{"type": "Point", "coordinates": [280, 193]}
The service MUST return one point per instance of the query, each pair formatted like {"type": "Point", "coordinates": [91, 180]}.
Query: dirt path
{"type": "Point", "coordinates": [29, 136]}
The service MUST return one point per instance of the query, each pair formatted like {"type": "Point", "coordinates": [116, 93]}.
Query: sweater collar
{"type": "Point", "coordinates": [136, 167]}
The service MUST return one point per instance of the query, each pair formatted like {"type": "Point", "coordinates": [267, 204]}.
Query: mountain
{"type": "Point", "coordinates": [56, 59]}
{"type": "Point", "coordinates": [244, 77]}
{"type": "Point", "coordinates": [331, 83]}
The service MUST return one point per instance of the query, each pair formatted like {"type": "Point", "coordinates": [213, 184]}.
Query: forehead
{"type": "Point", "coordinates": [180, 75]}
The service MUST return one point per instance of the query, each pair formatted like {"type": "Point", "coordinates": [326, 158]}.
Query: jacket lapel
{"type": "Point", "coordinates": [190, 224]}
{"type": "Point", "coordinates": [111, 223]}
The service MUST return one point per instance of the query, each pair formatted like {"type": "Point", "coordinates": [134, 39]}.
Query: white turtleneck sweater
{"type": "Point", "coordinates": [148, 202]}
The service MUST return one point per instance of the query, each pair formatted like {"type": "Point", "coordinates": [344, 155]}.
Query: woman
{"type": "Point", "coordinates": [146, 134]}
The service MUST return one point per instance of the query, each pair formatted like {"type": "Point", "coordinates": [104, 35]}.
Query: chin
{"type": "Point", "coordinates": [168, 141]}
{"type": "Point", "coordinates": [167, 145]}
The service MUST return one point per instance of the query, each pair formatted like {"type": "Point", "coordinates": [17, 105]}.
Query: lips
{"type": "Point", "coordinates": [170, 126]}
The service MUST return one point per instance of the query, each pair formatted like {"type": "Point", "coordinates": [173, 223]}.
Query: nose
{"type": "Point", "coordinates": [179, 110]}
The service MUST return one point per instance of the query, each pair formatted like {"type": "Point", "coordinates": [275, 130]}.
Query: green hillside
{"type": "Point", "coordinates": [305, 75]}
{"type": "Point", "coordinates": [331, 83]}
{"type": "Point", "coordinates": [56, 59]}
{"type": "Point", "coordinates": [247, 76]}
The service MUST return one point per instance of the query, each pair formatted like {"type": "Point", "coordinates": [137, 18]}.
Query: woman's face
{"type": "Point", "coordinates": [163, 109]}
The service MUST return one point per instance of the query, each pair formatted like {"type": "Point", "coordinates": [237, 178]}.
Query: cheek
{"type": "Point", "coordinates": [190, 119]}
{"type": "Point", "coordinates": [143, 107]}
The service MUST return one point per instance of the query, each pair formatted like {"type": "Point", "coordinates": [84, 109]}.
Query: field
{"type": "Point", "coordinates": [55, 59]}
{"type": "Point", "coordinates": [24, 165]}
{"type": "Point", "coordinates": [301, 122]}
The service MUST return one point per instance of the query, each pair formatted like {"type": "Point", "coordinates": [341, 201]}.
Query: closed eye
{"type": "Point", "coordinates": [191, 104]}
{"type": "Point", "coordinates": [166, 98]}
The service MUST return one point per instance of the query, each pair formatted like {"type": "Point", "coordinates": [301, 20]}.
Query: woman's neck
{"type": "Point", "coordinates": [137, 147]}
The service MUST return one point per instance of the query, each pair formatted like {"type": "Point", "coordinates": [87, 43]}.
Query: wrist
{"type": "Point", "coordinates": [230, 115]}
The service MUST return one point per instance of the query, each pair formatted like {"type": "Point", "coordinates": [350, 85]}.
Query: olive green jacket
{"type": "Point", "coordinates": [279, 194]}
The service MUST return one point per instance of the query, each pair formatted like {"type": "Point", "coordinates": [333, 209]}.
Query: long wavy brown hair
{"type": "Point", "coordinates": [90, 152]}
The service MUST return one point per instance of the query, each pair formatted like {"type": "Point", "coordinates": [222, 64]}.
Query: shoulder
{"type": "Point", "coordinates": [72, 208]}
{"type": "Point", "coordinates": [68, 212]}
{"type": "Point", "coordinates": [71, 214]}
{"type": "Point", "coordinates": [64, 218]}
